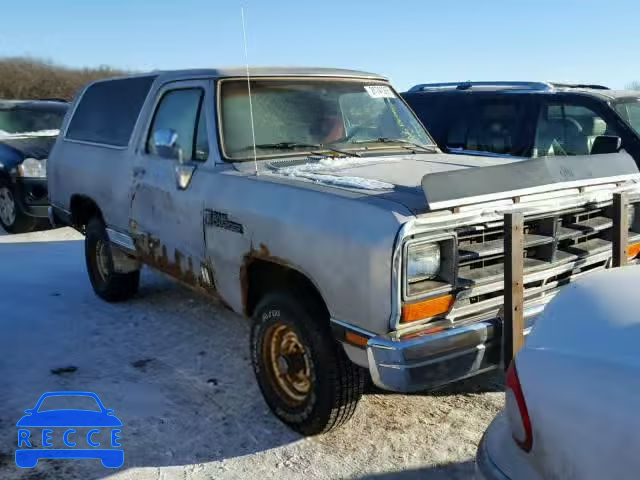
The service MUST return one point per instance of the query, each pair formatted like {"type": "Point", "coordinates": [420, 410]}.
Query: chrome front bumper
{"type": "Point", "coordinates": [429, 361]}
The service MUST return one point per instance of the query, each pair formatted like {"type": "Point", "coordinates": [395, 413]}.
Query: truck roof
{"type": "Point", "coordinates": [231, 72]}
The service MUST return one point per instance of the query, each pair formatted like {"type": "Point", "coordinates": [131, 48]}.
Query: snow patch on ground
{"type": "Point", "coordinates": [176, 368]}
{"type": "Point", "coordinates": [38, 133]}
{"type": "Point", "coordinates": [58, 235]}
{"type": "Point", "coordinates": [323, 171]}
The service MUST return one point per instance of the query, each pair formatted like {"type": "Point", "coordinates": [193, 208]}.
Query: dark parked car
{"type": "Point", "coordinates": [528, 119]}
{"type": "Point", "coordinates": [28, 130]}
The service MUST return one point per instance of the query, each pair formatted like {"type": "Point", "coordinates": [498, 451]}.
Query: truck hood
{"type": "Point", "coordinates": [395, 178]}
{"type": "Point", "coordinates": [425, 182]}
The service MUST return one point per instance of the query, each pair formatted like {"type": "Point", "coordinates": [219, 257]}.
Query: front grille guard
{"type": "Point", "coordinates": [581, 216]}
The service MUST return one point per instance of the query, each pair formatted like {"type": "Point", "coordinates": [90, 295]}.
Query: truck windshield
{"type": "Point", "coordinates": [629, 110]}
{"type": "Point", "coordinates": [305, 115]}
{"type": "Point", "coordinates": [22, 121]}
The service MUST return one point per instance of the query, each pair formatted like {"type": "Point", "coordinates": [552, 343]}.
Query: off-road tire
{"type": "Point", "coordinates": [22, 223]}
{"type": "Point", "coordinates": [109, 285]}
{"type": "Point", "coordinates": [336, 383]}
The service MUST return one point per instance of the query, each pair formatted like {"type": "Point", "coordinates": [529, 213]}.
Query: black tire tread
{"type": "Point", "coordinates": [121, 286]}
{"type": "Point", "coordinates": [23, 223]}
{"type": "Point", "coordinates": [348, 379]}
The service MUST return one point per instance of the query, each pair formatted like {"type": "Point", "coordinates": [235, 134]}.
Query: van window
{"type": "Point", "coordinates": [108, 111]}
{"type": "Point", "coordinates": [489, 126]}
{"type": "Point", "coordinates": [436, 112]}
{"type": "Point", "coordinates": [630, 111]}
{"type": "Point", "coordinates": [179, 111]}
{"type": "Point", "coordinates": [469, 123]}
{"type": "Point", "coordinates": [565, 129]}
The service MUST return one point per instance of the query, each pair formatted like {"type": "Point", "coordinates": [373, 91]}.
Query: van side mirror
{"type": "Point", "coordinates": [606, 144]}
{"type": "Point", "coordinates": [165, 143]}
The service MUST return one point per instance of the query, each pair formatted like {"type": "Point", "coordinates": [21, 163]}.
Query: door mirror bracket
{"type": "Point", "coordinates": [165, 144]}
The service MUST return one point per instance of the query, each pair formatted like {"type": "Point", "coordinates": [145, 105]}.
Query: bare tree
{"type": "Point", "coordinates": [635, 85]}
{"type": "Point", "coordinates": [28, 78]}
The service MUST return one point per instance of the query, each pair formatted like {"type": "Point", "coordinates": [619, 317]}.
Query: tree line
{"type": "Point", "coordinates": [27, 78]}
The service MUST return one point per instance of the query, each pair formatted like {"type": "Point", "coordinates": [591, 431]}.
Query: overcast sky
{"type": "Point", "coordinates": [410, 41]}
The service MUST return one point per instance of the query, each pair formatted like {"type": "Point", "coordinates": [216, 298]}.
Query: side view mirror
{"type": "Point", "coordinates": [165, 143]}
{"type": "Point", "coordinates": [606, 144]}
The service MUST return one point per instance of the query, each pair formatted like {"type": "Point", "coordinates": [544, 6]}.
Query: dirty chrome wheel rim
{"type": "Point", "coordinates": [7, 206]}
{"type": "Point", "coordinates": [103, 259]}
{"type": "Point", "coordinates": [289, 363]}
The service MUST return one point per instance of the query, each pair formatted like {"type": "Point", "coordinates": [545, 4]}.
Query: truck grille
{"type": "Point", "coordinates": [557, 250]}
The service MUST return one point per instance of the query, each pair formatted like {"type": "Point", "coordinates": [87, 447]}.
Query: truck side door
{"type": "Point", "coordinates": [166, 211]}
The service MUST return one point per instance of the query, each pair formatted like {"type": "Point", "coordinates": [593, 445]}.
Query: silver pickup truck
{"type": "Point", "coordinates": [314, 202]}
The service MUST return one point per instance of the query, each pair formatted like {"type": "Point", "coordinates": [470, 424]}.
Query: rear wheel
{"type": "Point", "coordinates": [304, 374]}
{"type": "Point", "coordinates": [12, 218]}
{"type": "Point", "coordinates": [107, 283]}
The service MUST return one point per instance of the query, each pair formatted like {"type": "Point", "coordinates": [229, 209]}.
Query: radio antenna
{"type": "Point", "coordinates": [246, 58]}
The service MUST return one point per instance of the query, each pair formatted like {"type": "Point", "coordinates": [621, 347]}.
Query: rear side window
{"type": "Point", "coordinates": [108, 111]}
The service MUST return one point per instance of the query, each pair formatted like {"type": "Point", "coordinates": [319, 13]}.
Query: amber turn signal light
{"type": "Point", "coordinates": [356, 339]}
{"type": "Point", "coordinates": [633, 250]}
{"type": "Point", "coordinates": [412, 312]}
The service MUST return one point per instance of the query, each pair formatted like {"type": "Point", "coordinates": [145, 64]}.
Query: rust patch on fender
{"type": "Point", "coordinates": [151, 252]}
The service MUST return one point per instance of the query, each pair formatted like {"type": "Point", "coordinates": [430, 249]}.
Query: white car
{"type": "Point", "coordinates": [573, 392]}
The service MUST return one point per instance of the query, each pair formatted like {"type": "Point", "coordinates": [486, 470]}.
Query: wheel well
{"type": "Point", "coordinates": [82, 210]}
{"type": "Point", "coordinates": [263, 276]}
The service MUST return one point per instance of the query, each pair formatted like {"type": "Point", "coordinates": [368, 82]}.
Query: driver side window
{"type": "Point", "coordinates": [181, 111]}
{"type": "Point", "coordinates": [567, 130]}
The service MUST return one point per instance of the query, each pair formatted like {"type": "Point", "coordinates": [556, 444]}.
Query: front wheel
{"type": "Point", "coordinates": [12, 218]}
{"type": "Point", "coordinates": [304, 374]}
{"type": "Point", "coordinates": [106, 282]}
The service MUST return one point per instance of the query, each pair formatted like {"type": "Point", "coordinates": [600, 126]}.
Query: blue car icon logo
{"type": "Point", "coordinates": [64, 432]}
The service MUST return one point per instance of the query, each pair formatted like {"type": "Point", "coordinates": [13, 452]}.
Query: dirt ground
{"type": "Point", "coordinates": [175, 367]}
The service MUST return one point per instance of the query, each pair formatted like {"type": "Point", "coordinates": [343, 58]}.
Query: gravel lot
{"type": "Point", "coordinates": [175, 368]}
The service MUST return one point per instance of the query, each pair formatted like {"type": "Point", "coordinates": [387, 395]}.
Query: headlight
{"type": "Point", "coordinates": [33, 168]}
{"type": "Point", "coordinates": [423, 262]}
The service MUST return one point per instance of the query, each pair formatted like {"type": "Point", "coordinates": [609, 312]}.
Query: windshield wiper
{"type": "Point", "coordinates": [403, 143]}
{"type": "Point", "coordinates": [283, 145]}
{"type": "Point", "coordinates": [293, 145]}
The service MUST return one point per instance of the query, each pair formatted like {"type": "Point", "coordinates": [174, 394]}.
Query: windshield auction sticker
{"type": "Point", "coordinates": [379, 91]}
{"type": "Point", "coordinates": [54, 430]}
